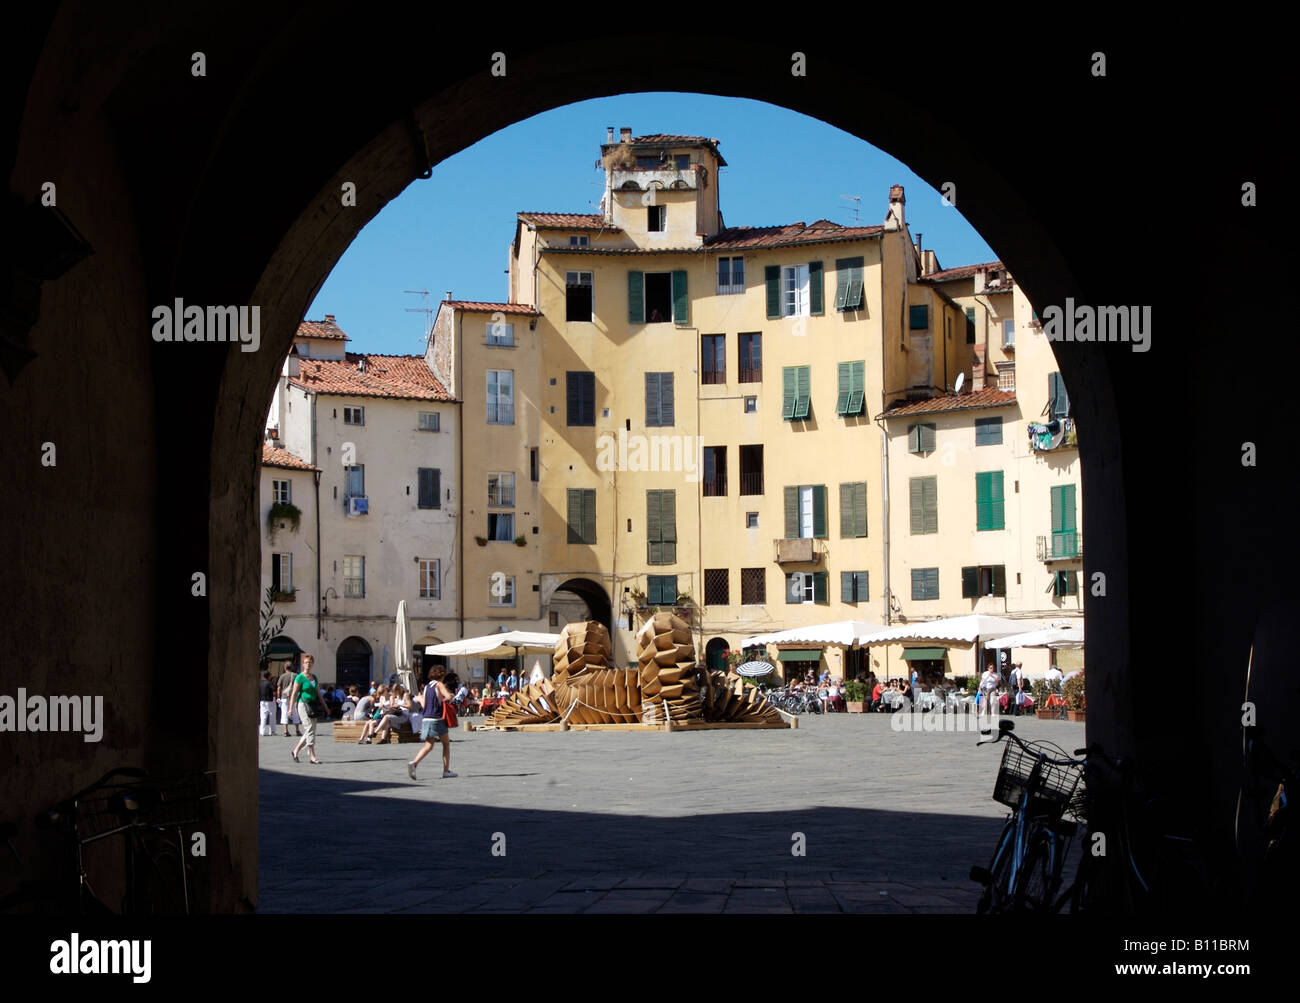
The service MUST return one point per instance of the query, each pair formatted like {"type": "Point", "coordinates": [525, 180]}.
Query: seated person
{"type": "Point", "coordinates": [460, 696]}
{"type": "Point", "coordinates": [349, 703]}
{"type": "Point", "coordinates": [362, 711]}
{"type": "Point", "coordinates": [876, 690]}
{"type": "Point", "coordinates": [398, 714]}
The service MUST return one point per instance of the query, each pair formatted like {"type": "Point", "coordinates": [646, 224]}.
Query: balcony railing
{"type": "Point", "coordinates": [751, 483]}
{"type": "Point", "coordinates": [796, 551]}
{"type": "Point", "coordinates": [713, 375]}
{"type": "Point", "coordinates": [750, 375]}
{"type": "Point", "coordinates": [715, 487]}
{"type": "Point", "coordinates": [1063, 546]}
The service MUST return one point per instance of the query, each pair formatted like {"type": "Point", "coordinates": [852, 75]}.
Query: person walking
{"type": "Point", "coordinates": [288, 712]}
{"type": "Point", "coordinates": [306, 696]}
{"type": "Point", "coordinates": [266, 704]}
{"type": "Point", "coordinates": [988, 689]}
{"type": "Point", "coordinates": [434, 725]}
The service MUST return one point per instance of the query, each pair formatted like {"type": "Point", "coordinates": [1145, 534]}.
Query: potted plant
{"type": "Point", "coordinates": [685, 606]}
{"type": "Point", "coordinates": [1041, 693]}
{"type": "Point", "coordinates": [1076, 697]}
{"type": "Point", "coordinates": [282, 512]}
{"type": "Point", "coordinates": [855, 696]}
{"type": "Point", "coordinates": [521, 541]}
{"type": "Point", "coordinates": [481, 541]}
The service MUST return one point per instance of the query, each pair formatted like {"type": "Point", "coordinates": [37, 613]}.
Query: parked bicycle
{"type": "Point", "coordinates": [150, 814]}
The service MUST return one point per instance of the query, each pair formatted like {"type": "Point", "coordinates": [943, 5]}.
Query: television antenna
{"type": "Point", "coordinates": [857, 202]}
{"type": "Point", "coordinates": [426, 310]}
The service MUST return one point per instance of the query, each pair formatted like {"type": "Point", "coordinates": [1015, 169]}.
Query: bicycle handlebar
{"type": "Point", "coordinates": [1007, 729]}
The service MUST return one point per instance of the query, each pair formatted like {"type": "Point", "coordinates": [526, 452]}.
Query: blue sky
{"type": "Point", "coordinates": [452, 231]}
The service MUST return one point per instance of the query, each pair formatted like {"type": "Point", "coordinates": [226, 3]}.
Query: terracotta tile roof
{"type": "Point", "coordinates": [322, 329]}
{"type": "Point", "coordinates": [965, 272]}
{"type": "Point", "coordinates": [482, 307]}
{"type": "Point", "coordinates": [278, 456]}
{"type": "Point", "coordinates": [567, 221]}
{"type": "Point", "coordinates": [661, 137]}
{"type": "Point", "coordinates": [398, 376]}
{"type": "Point", "coordinates": [989, 397]}
{"type": "Point", "coordinates": [822, 231]}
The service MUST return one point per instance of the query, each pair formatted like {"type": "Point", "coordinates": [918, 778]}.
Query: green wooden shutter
{"type": "Point", "coordinates": [916, 491]}
{"type": "Point", "coordinates": [913, 438]}
{"type": "Point", "coordinates": [983, 518]}
{"type": "Point", "coordinates": [844, 387]}
{"type": "Point", "coordinates": [791, 513]}
{"type": "Point", "coordinates": [819, 511]}
{"type": "Point", "coordinates": [654, 585]}
{"type": "Point", "coordinates": [927, 438]}
{"type": "Point", "coordinates": [668, 523]}
{"type": "Point", "coordinates": [437, 487]}
{"type": "Point", "coordinates": [997, 501]}
{"type": "Point", "coordinates": [772, 278]}
{"type": "Point", "coordinates": [652, 400]}
{"type": "Point", "coordinates": [999, 579]}
{"type": "Point", "coordinates": [860, 590]}
{"type": "Point", "coordinates": [970, 583]}
{"type": "Point", "coordinates": [636, 297]}
{"type": "Point", "coordinates": [820, 585]}
{"type": "Point", "coordinates": [803, 374]}
{"type": "Point", "coordinates": [860, 508]}
{"type": "Point", "coordinates": [789, 381]}
{"type": "Point", "coordinates": [816, 293]}
{"type": "Point", "coordinates": [681, 304]}
{"type": "Point", "coordinates": [667, 415]}
{"type": "Point", "coordinates": [589, 516]}
{"type": "Point", "coordinates": [970, 325]}
{"type": "Point", "coordinates": [653, 529]}
{"type": "Point", "coordinates": [857, 386]}
{"type": "Point", "coordinates": [841, 284]}
{"type": "Point", "coordinates": [846, 586]}
{"type": "Point", "coordinates": [930, 490]}
{"type": "Point", "coordinates": [575, 516]}
{"type": "Point", "coordinates": [846, 510]}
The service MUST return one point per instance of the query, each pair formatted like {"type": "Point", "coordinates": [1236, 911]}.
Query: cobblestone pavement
{"type": "Point", "coordinates": [630, 823]}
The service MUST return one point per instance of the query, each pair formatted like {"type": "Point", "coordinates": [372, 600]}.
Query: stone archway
{"type": "Point", "coordinates": [353, 663]}
{"type": "Point", "coordinates": [713, 653]}
{"type": "Point", "coordinates": [583, 597]}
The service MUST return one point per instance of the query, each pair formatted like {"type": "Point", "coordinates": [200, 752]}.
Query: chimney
{"type": "Point", "coordinates": [977, 370]}
{"type": "Point", "coordinates": [329, 318]}
{"type": "Point", "coordinates": [625, 134]}
{"type": "Point", "coordinates": [896, 220]}
{"type": "Point", "coordinates": [361, 364]}
{"type": "Point", "coordinates": [609, 134]}
{"type": "Point", "coordinates": [448, 295]}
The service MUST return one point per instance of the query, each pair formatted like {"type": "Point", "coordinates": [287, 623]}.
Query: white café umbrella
{"type": "Point", "coordinates": [842, 632]}
{"type": "Point", "coordinates": [1051, 637]}
{"type": "Point", "coordinates": [402, 648]}
{"type": "Point", "coordinates": [498, 645]}
{"type": "Point", "coordinates": [955, 629]}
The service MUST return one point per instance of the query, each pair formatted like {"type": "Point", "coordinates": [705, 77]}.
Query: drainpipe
{"type": "Point", "coordinates": [459, 396]}
{"type": "Point", "coordinates": [316, 477]}
{"type": "Point", "coordinates": [884, 476]}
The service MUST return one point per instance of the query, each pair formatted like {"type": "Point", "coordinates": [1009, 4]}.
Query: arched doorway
{"type": "Point", "coordinates": [352, 663]}
{"type": "Point", "coordinates": [714, 654]}
{"type": "Point", "coordinates": [580, 599]}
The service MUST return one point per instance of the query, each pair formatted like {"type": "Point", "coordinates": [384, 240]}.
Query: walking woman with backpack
{"type": "Point", "coordinates": [438, 714]}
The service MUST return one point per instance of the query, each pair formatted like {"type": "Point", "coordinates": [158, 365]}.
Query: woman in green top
{"type": "Point", "coordinates": [306, 694]}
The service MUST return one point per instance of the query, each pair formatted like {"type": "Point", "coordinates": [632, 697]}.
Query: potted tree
{"type": "Point", "coordinates": [1041, 692]}
{"type": "Point", "coordinates": [1076, 698]}
{"type": "Point", "coordinates": [855, 696]}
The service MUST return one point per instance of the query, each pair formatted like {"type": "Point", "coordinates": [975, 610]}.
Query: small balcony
{"type": "Point", "coordinates": [644, 179]}
{"type": "Point", "coordinates": [800, 550]}
{"type": "Point", "coordinates": [1063, 546]}
{"type": "Point", "coordinates": [751, 483]}
{"type": "Point", "coordinates": [356, 505]}
{"type": "Point", "coordinates": [1056, 433]}
{"type": "Point", "coordinates": [715, 487]}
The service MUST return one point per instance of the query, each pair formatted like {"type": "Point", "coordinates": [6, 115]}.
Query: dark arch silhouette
{"type": "Point", "coordinates": [594, 595]}
{"type": "Point", "coordinates": [353, 663]}
{"type": "Point", "coordinates": [226, 189]}
{"type": "Point", "coordinates": [713, 656]}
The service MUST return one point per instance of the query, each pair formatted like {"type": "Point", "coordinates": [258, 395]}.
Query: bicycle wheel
{"type": "Point", "coordinates": [996, 879]}
{"type": "Point", "coordinates": [160, 886]}
{"type": "Point", "coordinates": [1040, 874]}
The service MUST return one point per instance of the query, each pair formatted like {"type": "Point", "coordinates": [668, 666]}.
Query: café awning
{"type": "Point", "coordinates": [845, 633]}
{"type": "Point", "coordinates": [924, 654]}
{"type": "Point", "coordinates": [800, 655]}
{"type": "Point", "coordinates": [1052, 637]}
{"type": "Point", "coordinates": [960, 630]}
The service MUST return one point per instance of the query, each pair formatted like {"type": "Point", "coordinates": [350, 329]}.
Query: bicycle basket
{"type": "Point", "coordinates": [1052, 787]}
{"type": "Point", "coordinates": [169, 801]}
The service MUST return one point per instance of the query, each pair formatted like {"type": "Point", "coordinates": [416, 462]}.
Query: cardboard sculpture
{"type": "Point", "coordinates": [667, 685]}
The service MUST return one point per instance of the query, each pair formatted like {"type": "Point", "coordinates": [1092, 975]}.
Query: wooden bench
{"type": "Point", "coordinates": [350, 731]}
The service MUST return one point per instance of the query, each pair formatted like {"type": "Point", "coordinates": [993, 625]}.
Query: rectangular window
{"type": "Point", "coordinates": [659, 400]}
{"type": "Point", "coordinates": [500, 333]}
{"type": "Point", "coordinates": [582, 515]}
{"type": "Point", "coordinates": [581, 398]}
{"type": "Point", "coordinates": [753, 586]}
{"type": "Point", "coordinates": [805, 511]}
{"type": "Point", "coordinates": [1065, 583]}
{"type": "Point", "coordinates": [717, 587]}
{"type": "Point", "coordinates": [970, 325]}
{"type": "Point", "coordinates": [656, 216]}
{"type": "Point", "coordinates": [354, 577]}
{"type": "Point", "coordinates": [355, 478]}
{"type": "Point", "coordinates": [805, 587]}
{"type": "Point", "coordinates": [925, 583]}
{"type": "Point", "coordinates": [661, 590]}
{"type": "Point", "coordinates": [918, 317]}
{"type": "Point", "coordinates": [988, 431]}
{"type": "Point", "coordinates": [501, 527]}
{"type": "Point", "coordinates": [921, 438]}
{"type": "Point", "coordinates": [924, 499]}
{"type": "Point", "coordinates": [794, 291]}
{"type": "Point", "coordinates": [534, 468]}
{"type": "Point", "coordinates": [797, 392]}
{"type": "Point", "coordinates": [430, 579]}
{"type": "Point", "coordinates": [715, 471]}
{"type": "Point", "coordinates": [683, 161]}
{"type": "Point", "coordinates": [751, 470]}
{"type": "Point", "coordinates": [1065, 536]}
{"type": "Point", "coordinates": [853, 586]}
{"type": "Point", "coordinates": [649, 163]}
{"type": "Point", "coordinates": [853, 509]}
{"type": "Point", "coordinates": [731, 276]}
{"type": "Point", "coordinates": [989, 501]}
{"type": "Point", "coordinates": [751, 405]}
{"type": "Point", "coordinates": [658, 297]}
{"type": "Point", "coordinates": [429, 487]}
{"type": "Point", "coordinates": [1008, 333]}
{"type": "Point", "coordinates": [713, 358]}
{"type": "Point", "coordinates": [282, 573]}
{"type": "Point", "coordinates": [580, 240]}
{"type": "Point", "coordinates": [577, 296]}
{"type": "Point", "coordinates": [500, 396]}
{"type": "Point", "coordinates": [661, 527]}
{"type": "Point", "coordinates": [852, 389]}
{"type": "Point", "coordinates": [987, 580]}
{"type": "Point", "coordinates": [282, 492]}
{"type": "Point", "coordinates": [501, 590]}
{"type": "Point", "coordinates": [751, 520]}
{"type": "Point", "coordinates": [751, 358]}
{"type": "Point", "coordinates": [848, 283]}
{"type": "Point", "coordinates": [354, 416]}
{"type": "Point", "coordinates": [501, 490]}
{"type": "Point", "coordinates": [430, 421]}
